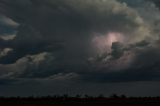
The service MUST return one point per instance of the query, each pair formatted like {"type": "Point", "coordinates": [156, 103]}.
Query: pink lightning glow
{"type": "Point", "coordinates": [103, 45]}
{"type": "Point", "coordinates": [104, 42]}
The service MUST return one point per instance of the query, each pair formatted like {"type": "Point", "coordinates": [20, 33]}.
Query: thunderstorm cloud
{"type": "Point", "coordinates": [62, 42]}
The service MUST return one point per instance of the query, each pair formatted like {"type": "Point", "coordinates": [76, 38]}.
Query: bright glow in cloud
{"type": "Point", "coordinates": [8, 37]}
{"type": "Point", "coordinates": [104, 42]}
{"type": "Point", "coordinates": [5, 51]}
{"type": "Point", "coordinates": [7, 21]}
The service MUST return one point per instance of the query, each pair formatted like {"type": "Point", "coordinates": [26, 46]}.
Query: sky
{"type": "Point", "coordinates": [55, 47]}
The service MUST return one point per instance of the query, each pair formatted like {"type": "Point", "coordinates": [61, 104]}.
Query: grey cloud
{"type": "Point", "coordinates": [64, 29]}
{"type": "Point", "coordinates": [117, 50]}
{"type": "Point", "coordinates": [157, 2]}
{"type": "Point", "coordinates": [8, 22]}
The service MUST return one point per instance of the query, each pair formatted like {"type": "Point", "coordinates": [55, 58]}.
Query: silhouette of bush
{"type": "Point", "coordinates": [78, 100]}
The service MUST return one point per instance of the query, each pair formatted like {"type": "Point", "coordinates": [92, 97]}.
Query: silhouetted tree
{"type": "Point", "coordinates": [123, 97]}
{"type": "Point", "coordinates": [78, 96]}
{"type": "Point", "coordinates": [101, 96]}
{"type": "Point", "coordinates": [114, 96]}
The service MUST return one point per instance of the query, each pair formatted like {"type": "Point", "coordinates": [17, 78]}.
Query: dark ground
{"type": "Point", "coordinates": [80, 101]}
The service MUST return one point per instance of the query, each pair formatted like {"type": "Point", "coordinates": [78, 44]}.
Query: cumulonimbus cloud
{"type": "Point", "coordinates": [65, 30]}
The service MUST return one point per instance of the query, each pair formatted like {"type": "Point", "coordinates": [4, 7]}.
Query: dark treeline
{"type": "Point", "coordinates": [79, 100]}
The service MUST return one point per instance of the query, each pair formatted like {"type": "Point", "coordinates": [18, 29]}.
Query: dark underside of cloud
{"type": "Point", "coordinates": [91, 41]}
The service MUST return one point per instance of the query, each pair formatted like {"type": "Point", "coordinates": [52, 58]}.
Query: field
{"type": "Point", "coordinates": [80, 101]}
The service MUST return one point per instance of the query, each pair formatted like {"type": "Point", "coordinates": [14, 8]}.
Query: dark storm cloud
{"type": "Point", "coordinates": [28, 41]}
{"type": "Point", "coordinates": [33, 37]}
{"type": "Point", "coordinates": [157, 2]}
{"type": "Point", "coordinates": [7, 28]}
{"type": "Point", "coordinates": [54, 37]}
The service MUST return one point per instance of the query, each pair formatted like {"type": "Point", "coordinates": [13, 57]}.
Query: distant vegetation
{"type": "Point", "coordinates": [79, 100]}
